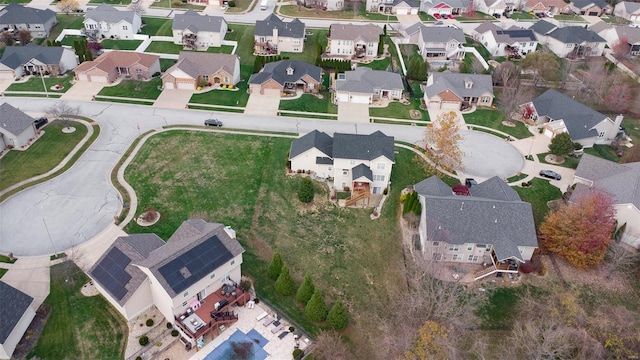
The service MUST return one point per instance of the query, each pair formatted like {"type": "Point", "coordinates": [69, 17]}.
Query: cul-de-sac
{"type": "Point", "coordinates": [319, 179]}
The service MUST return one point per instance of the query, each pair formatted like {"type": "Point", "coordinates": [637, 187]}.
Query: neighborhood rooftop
{"type": "Point", "coordinates": [198, 63]}
{"type": "Point", "coordinates": [195, 22]}
{"type": "Point", "coordinates": [10, 13]}
{"type": "Point", "coordinates": [277, 71]}
{"type": "Point", "coordinates": [458, 83]}
{"type": "Point", "coordinates": [14, 120]}
{"type": "Point", "coordinates": [292, 29]}
{"type": "Point", "coordinates": [14, 304]}
{"type": "Point", "coordinates": [622, 181]}
{"type": "Point", "coordinates": [366, 80]}
{"type": "Point", "coordinates": [109, 14]}
{"type": "Point", "coordinates": [437, 34]}
{"type": "Point", "coordinates": [16, 56]}
{"type": "Point", "coordinates": [368, 32]}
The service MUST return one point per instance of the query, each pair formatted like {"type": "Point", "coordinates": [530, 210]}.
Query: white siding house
{"type": "Point", "coordinates": [106, 21]}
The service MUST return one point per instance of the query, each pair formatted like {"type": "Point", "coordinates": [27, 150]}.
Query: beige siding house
{"type": "Point", "coordinates": [194, 69]}
{"type": "Point", "coordinates": [112, 65]}
{"type": "Point", "coordinates": [198, 32]}
{"type": "Point", "coordinates": [454, 91]}
{"type": "Point", "coordinates": [273, 36]}
{"type": "Point", "coordinates": [288, 77]}
{"type": "Point", "coordinates": [357, 42]}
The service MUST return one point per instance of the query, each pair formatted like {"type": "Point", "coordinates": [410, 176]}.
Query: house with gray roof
{"type": "Point", "coordinates": [591, 7]}
{"type": "Point", "coordinates": [628, 10]}
{"type": "Point", "coordinates": [622, 182]}
{"type": "Point", "coordinates": [16, 127]}
{"type": "Point", "coordinates": [18, 61]}
{"type": "Point", "coordinates": [353, 42]}
{"type": "Point", "coordinates": [492, 7]}
{"type": "Point", "coordinates": [16, 17]}
{"type": "Point", "coordinates": [198, 32]}
{"type": "Point", "coordinates": [395, 7]}
{"type": "Point", "coordinates": [287, 77]}
{"type": "Point", "coordinates": [572, 42]}
{"type": "Point", "coordinates": [16, 314]}
{"type": "Point", "coordinates": [446, 7]}
{"type": "Point", "coordinates": [195, 69]}
{"type": "Point", "coordinates": [273, 36]}
{"type": "Point", "coordinates": [456, 91]}
{"type": "Point", "coordinates": [513, 42]}
{"type": "Point", "coordinates": [106, 21]}
{"type": "Point", "coordinates": [441, 45]}
{"type": "Point", "coordinates": [621, 35]}
{"type": "Point", "coordinates": [492, 226]}
{"type": "Point", "coordinates": [557, 113]}
{"type": "Point", "coordinates": [366, 86]}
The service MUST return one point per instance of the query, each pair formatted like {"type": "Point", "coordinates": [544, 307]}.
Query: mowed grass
{"type": "Point", "coordinates": [240, 181]}
{"type": "Point", "coordinates": [157, 26]}
{"type": "Point", "coordinates": [79, 327]}
{"type": "Point", "coordinates": [134, 89]}
{"type": "Point", "coordinates": [310, 103]}
{"type": "Point", "coordinates": [167, 47]}
{"type": "Point", "coordinates": [493, 119]}
{"type": "Point", "coordinates": [72, 21]}
{"type": "Point", "coordinates": [43, 155]}
{"type": "Point", "coordinates": [538, 194]}
{"type": "Point", "coordinates": [120, 44]}
{"type": "Point", "coordinates": [35, 84]}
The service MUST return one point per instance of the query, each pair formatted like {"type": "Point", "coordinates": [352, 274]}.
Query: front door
{"type": "Point", "coordinates": [202, 294]}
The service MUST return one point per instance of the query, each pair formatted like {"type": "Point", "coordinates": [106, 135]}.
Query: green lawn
{"type": "Point", "coordinates": [241, 5]}
{"type": "Point", "coordinates": [166, 63]}
{"type": "Point", "coordinates": [3, 2]}
{"type": "Point", "coordinates": [538, 194]}
{"type": "Point", "coordinates": [571, 18]}
{"type": "Point", "coordinates": [243, 34]}
{"type": "Point", "coordinates": [42, 156]}
{"type": "Point", "coordinates": [172, 4]}
{"type": "Point", "coordinates": [515, 178]}
{"type": "Point", "coordinates": [603, 151]}
{"type": "Point", "coordinates": [69, 39]}
{"type": "Point", "coordinates": [319, 36]}
{"type": "Point", "coordinates": [111, 2]}
{"type": "Point", "coordinates": [499, 311]}
{"type": "Point", "coordinates": [398, 110]}
{"type": "Point", "coordinates": [522, 16]}
{"type": "Point", "coordinates": [72, 21]}
{"type": "Point", "coordinates": [478, 17]}
{"type": "Point", "coordinates": [2, 272]}
{"type": "Point", "coordinates": [79, 327]}
{"type": "Point", "coordinates": [5, 259]}
{"type": "Point", "coordinates": [223, 97]}
{"type": "Point", "coordinates": [347, 14]}
{"type": "Point", "coordinates": [127, 89]}
{"type": "Point", "coordinates": [120, 44]}
{"type": "Point", "coordinates": [310, 103]}
{"type": "Point", "coordinates": [157, 26]}
{"type": "Point", "coordinates": [569, 162]}
{"type": "Point", "coordinates": [378, 64]}
{"type": "Point", "coordinates": [167, 47]}
{"type": "Point", "coordinates": [424, 17]}
{"type": "Point", "coordinates": [493, 119]}
{"type": "Point", "coordinates": [481, 49]}
{"type": "Point", "coordinates": [35, 84]}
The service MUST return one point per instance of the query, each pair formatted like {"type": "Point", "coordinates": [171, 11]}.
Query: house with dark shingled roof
{"type": "Point", "coordinates": [194, 68]}
{"type": "Point", "coordinates": [198, 32]}
{"type": "Point", "coordinates": [514, 41]}
{"type": "Point", "coordinates": [106, 21]}
{"type": "Point", "coordinates": [38, 22]}
{"type": "Point", "coordinates": [572, 42]}
{"type": "Point", "coordinates": [16, 127]}
{"type": "Point", "coordinates": [273, 36]}
{"type": "Point", "coordinates": [35, 59]}
{"type": "Point", "coordinates": [287, 76]}
{"type": "Point", "coordinates": [16, 313]}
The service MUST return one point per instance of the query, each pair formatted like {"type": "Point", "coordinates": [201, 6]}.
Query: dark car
{"type": "Point", "coordinates": [41, 122]}
{"type": "Point", "coordinates": [470, 182]}
{"type": "Point", "coordinates": [460, 189]}
{"type": "Point", "coordinates": [496, 15]}
{"type": "Point", "coordinates": [213, 122]}
{"type": "Point", "coordinates": [550, 174]}
{"type": "Point", "coordinates": [507, 15]}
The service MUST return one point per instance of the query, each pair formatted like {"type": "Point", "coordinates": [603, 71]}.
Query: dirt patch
{"type": "Point", "coordinates": [553, 159]}
{"type": "Point", "coordinates": [415, 114]}
{"type": "Point", "coordinates": [89, 289]}
{"type": "Point", "coordinates": [31, 336]}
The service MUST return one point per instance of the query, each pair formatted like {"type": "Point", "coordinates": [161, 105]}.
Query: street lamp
{"type": "Point", "coordinates": [46, 93]}
{"type": "Point", "coordinates": [50, 239]}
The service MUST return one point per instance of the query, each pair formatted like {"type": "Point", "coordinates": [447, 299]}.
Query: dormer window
{"type": "Point", "coordinates": [468, 84]}
{"type": "Point", "coordinates": [289, 70]}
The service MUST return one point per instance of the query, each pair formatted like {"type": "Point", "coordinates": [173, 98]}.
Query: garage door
{"type": "Point", "coordinates": [6, 75]}
{"type": "Point", "coordinates": [449, 105]}
{"type": "Point", "coordinates": [402, 11]}
{"type": "Point", "coordinates": [359, 99]}
{"type": "Point", "coordinates": [593, 13]}
{"type": "Point", "coordinates": [434, 105]}
{"type": "Point", "coordinates": [98, 79]}
{"type": "Point", "coordinates": [185, 85]}
{"type": "Point", "coordinates": [548, 133]}
{"type": "Point", "coordinates": [168, 85]}
{"type": "Point", "coordinates": [83, 77]}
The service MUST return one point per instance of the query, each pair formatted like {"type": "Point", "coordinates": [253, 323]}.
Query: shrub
{"type": "Point", "coordinates": [138, 357]}
{"type": "Point", "coordinates": [305, 192]}
{"type": "Point", "coordinates": [245, 284]}
{"type": "Point", "coordinates": [231, 3]}
{"type": "Point", "coordinates": [174, 333]}
{"type": "Point", "coordinates": [297, 354]}
{"type": "Point", "coordinates": [256, 300]}
{"type": "Point", "coordinates": [275, 268]}
{"type": "Point", "coordinates": [285, 285]}
{"type": "Point", "coordinates": [543, 270]}
{"type": "Point", "coordinates": [144, 340]}
{"type": "Point", "coordinates": [169, 325]}
{"type": "Point", "coordinates": [338, 317]}
{"type": "Point", "coordinates": [385, 191]}
{"type": "Point", "coordinates": [149, 322]}
{"type": "Point", "coordinates": [316, 309]}
{"type": "Point", "coordinates": [291, 329]}
{"type": "Point", "coordinates": [305, 292]}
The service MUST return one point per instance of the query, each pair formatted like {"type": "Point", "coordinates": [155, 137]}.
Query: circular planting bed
{"type": "Point", "coordinates": [148, 218]}
{"type": "Point", "coordinates": [553, 159]}
{"type": "Point", "coordinates": [68, 129]}
{"type": "Point", "coordinates": [415, 114]}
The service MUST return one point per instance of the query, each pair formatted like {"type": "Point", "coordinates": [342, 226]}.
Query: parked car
{"type": "Point", "coordinates": [634, 25]}
{"type": "Point", "coordinates": [213, 122]}
{"type": "Point", "coordinates": [550, 174]}
{"type": "Point", "coordinates": [548, 14]}
{"type": "Point", "coordinates": [437, 16]}
{"type": "Point", "coordinates": [507, 15]}
{"type": "Point", "coordinates": [451, 16]}
{"type": "Point", "coordinates": [496, 15]}
{"type": "Point", "coordinates": [41, 122]}
{"type": "Point", "coordinates": [540, 15]}
{"type": "Point", "coordinates": [470, 182]}
{"type": "Point", "coordinates": [460, 189]}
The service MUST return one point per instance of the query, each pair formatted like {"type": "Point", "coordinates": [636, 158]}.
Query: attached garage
{"type": "Point", "coordinates": [97, 79]}
{"type": "Point", "coordinates": [402, 11]}
{"type": "Point", "coordinates": [7, 75]}
{"type": "Point", "coordinates": [360, 99]}
{"type": "Point", "coordinates": [450, 105]}
{"type": "Point", "coordinates": [183, 85]}
{"type": "Point", "coordinates": [593, 13]}
{"type": "Point", "coordinates": [169, 85]}
{"type": "Point", "coordinates": [83, 77]}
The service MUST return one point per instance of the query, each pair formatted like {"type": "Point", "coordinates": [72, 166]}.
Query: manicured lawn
{"type": "Point", "coordinates": [318, 36]}
{"type": "Point", "coordinates": [169, 4]}
{"type": "Point", "coordinates": [14, 1]}
{"type": "Point", "coordinates": [241, 5]}
{"type": "Point", "coordinates": [66, 22]}
{"type": "Point", "coordinates": [223, 97]}
{"type": "Point", "coordinates": [166, 63]}
{"type": "Point", "coordinates": [493, 119]}
{"type": "Point", "coordinates": [522, 16]}
{"type": "Point", "coordinates": [2, 272]}
{"type": "Point", "coordinates": [603, 151]}
{"type": "Point", "coordinates": [572, 18]}
{"type": "Point", "coordinates": [120, 44]}
{"type": "Point", "coordinates": [481, 49]}
{"type": "Point", "coordinates": [348, 14]}
{"type": "Point", "coordinates": [610, 19]}
{"type": "Point", "coordinates": [243, 34]}
{"type": "Point", "coordinates": [43, 155]}
{"type": "Point", "coordinates": [5, 259]}
{"type": "Point", "coordinates": [398, 110]}
{"type": "Point", "coordinates": [424, 17]}
{"type": "Point", "coordinates": [166, 47]}
{"type": "Point", "coordinates": [79, 327]}
{"type": "Point", "coordinates": [538, 194]}
{"type": "Point", "coordinates": [569, 162]}
{"type": "Point", "coordinates": [69, 39]}
{"type": "Point", "coordinates": [156, 26]}
{"type": "Point", "coordinates": [35, 84]}
{"type": "Point", "coordinates": [111, 2]}
{"type": "Point", "coordinates": [127, 89]}
{"type": "Point", "coordinates": [347, 254]}
{"type": "Point", "coordinates": [310, 103]}
{"type": "Point", "coordinates": [498, 312]}
{"type": "Point", "coordinates": [477, 17]}
{"type": "Point", "coordinates": [517, 177]}
{"type": "Point", "coordinates": [378, 64]}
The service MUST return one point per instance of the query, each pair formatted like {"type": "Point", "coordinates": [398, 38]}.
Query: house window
{"type": "Point", "coordinates": [125, 27]}
{"type": "Point", "coordinates": [378, 177]}
{"type": "Point", "coordinates": [454, 247]}
{"type": "Point", "coordinates": [601, 134]}
{"type": "Point", "coordinates": [381, 166]}
{"type": "Point", "coordinates": [569, 46]}
{"type": "Point", "coordinates": [531, 44]}
{"type": "Point", "coordinates": [352, 162]}
{"type": "Point", "coordinates": [485, 99]}
{"type": "Point", "coordinates": [205, 77]}
{"type": "Point", "coordinates": [437, 256]}
{"type": "Point", "coordinates": [184, 303]}
{"type": "Point", "coordinates": [233, 262]}
{"type": "Point", "coordinates": [345, 172]}
{"type": "Point", "coordinates": [226, 79]}
{"type": "Point", "coordinates": [329, 168]}
{"type": "Point", "coordinates": [186, 293]}
{"type": "Point", "coordinates": [139, 71]}
{"type": "Point", "coordinates": [469, 247]}
{"type": "Point", "coordinates": [472, 258]}
{"type": "Point", "coordinates": [212, 276]}
{"type": "Point", "coordinates": [344, 185]}
{"type": "Point", "coordinates": [456, 257]}
{"type": "Point", "coordinates": [311, 85]}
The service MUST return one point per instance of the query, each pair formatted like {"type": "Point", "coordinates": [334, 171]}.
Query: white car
{"type": "Point", "coordinates": [548, 14]}
{"type": "Point", "coordinates": [634, 26]}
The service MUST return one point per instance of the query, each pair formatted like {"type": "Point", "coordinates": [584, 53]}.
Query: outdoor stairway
{"type": "Point", "coordinates": [484, 272]}
{"type": "Point", "coordinates": [356, 196]}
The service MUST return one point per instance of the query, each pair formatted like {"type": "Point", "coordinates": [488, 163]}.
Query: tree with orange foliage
{"type": "Point", "coordinates": [442, 138]}
{"type": "Point", "coordinates": [580, 232]}
{"type": "Point", "coordinates": [430, 343]}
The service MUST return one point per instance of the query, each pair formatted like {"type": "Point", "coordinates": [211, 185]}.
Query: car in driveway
{"type": "Point", "coordinates": [213, 122]}
{"type": "Point", "coordinates": [437, 16]}
{"type": "Point", "coordinates": [40, 122]}
{"type": "Point", "coordinates": [469, 182]}
{"type": "Point", "coordinates": [550, 174]}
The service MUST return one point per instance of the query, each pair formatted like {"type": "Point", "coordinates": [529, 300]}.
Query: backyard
{"type": "Point", "coordinates": [120, 44]}
{"type": "Point", "coordinates": [167, 47]}
{"type": "Point", "coordinates": [347, 14]}
{"type": "Point", "coordinates": [156, 26]}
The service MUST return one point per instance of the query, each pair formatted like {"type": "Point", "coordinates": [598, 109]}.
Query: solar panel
{"type": "Point", "coordinates": [111, 274]}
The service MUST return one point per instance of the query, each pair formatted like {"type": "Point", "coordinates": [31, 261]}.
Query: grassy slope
{"type": "Point", "coordinates": [493, 119]}
{"type": "Point", "coordinates": [540, 192]}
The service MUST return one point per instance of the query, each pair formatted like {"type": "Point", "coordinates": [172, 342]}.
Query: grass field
{"type": "Point", "coordinates": [72, 21]}
{"type": "Point", "coordinates": [2, 272]}
{"type": "Point", "coordinates": [172, 4]}
{"type": "Point", "coordinates": [134, 89]}
{"type": "Point", "coordinates": [35, 84]}
{"type": "Point", "coordinates": [167, 47]}
{"type": "Point", "coordinates": [310, 103]}
{"type": "Point", "coordinates": [493, 119]}
{"type": "Point", "coordinates": [538, 194]}
{"type": "Point", "coordinates": [120, 44]}
{"type": "Point", "coordinates": [156, 26]}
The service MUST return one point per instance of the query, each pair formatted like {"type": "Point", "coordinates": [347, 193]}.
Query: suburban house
{"type": "Point", "coordinates": [628, 10]}
{"type": "Point", "coordinates": [192, 279]}
{"type": "Point", "coordinates": [513, 42]}
{"type": "Point", "coordinates": [195, 69]}
{"type": "Point", "coordinates": [622, 182]}
{"type": "Point", "coordinates": [614, 35]}
{"type": "Point", "coordinates": [397, 7]}
{"type": "Point", "coordinates": [198, 32]}
{"type": "Point", "coordinates": [453, 7]}
{"type": "Point", "coordinates": [273, 36]}
{"type": "Point", "coordinates": [492, 7]}
{"type": "Point", "coordinates": [105, 21]}
{"type": "Point", "coordinates": [591, 7]}
{"type": "Point", "coordinates": [357, 163]}
{"type": "Point", "coordinates": [15, 17]}
{"type": "Point", "coordinates": [326, 5]}
{"type": "Point", "coordinates": [16, 314]}
{"type": "Point", "coordinates": [440, 45]}
{"type": "Point", "coordinates": [357, 42]}
{"type": "Point", "coordinates": [557, 113]}
{"type": "Point", "coordinates": [364, 86]}
{"type": "Point", "coordinates": [553, 7]}
{"type": "Point", "coordinates": [287, 77]}
{"type": "Point", "coordinates": [112, 65]}
{"type": "Point", "coordinates": [18, 61]}
{"type": "Point", "coordinates": [456, 91]}
{"type": "Point", "coordinates": [16, 127]}
{"type": "Point", "coordinates": [492, 226]}
{"type": "Point", "coordinates": [570, 42]}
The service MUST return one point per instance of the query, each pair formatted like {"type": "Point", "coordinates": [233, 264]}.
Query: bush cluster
{"type": "Point", "coordinates": [306, 191]}
{"type": "Point", "coordinates": [412, 204]}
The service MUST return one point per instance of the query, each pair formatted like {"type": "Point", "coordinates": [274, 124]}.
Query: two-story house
{"type": "Point", "coordinates": [35, 59]}
{"type": "Point", "coordinates": [396, 7]}
{"type": "Point", "coordinates": [105, 21]}
{"type": "Point", "coordinates": [591, 7]}
{"type": "Point", "coordinates": [15, 17]}
{"type": "Point", "coordinates": [440, 45]}
{"type": "Point", "coordinates": [628, 10]}
{"type": "Point", "coordinates": [572, 42]}
{"type": "Point", "coordinates": [513, 42]}
{"type": "Point", "coordinates": [623, 35]}
{"type": "Point", "coordinates": [492, 7]}
{"type": "Point", "coordinates": [364, 86]}
{"type": "Point", "coordinates": [455, 91]}
{"type": "Point", "coordinates": [198, 32]}
{"type": "Point", "coordinates": [273, 36]}
{"type": "Point", "coordinates": [357, 42]}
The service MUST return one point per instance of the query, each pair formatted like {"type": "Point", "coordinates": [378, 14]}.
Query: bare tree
{"type": "Point", "coordinates": [506, 74]}
{"type": "Point", "coordinates": [621, 49]}
{"type": "Point", "coordinates": [67, 6]}
{"type": "Point", "coordinates": [329, 346]}
{"type": "Point", "coordinates": [24, 36]}
{"type": "Point", "coordinates": [512, 97]}
{"type": "Point", "coordinates": [63, 111]}
{"type": "Point", "coordinates": [620, 258]}
{"type": "Point", "coordinates": [137, 7]}
{"type": "Point", "coordinates": [7, 38]}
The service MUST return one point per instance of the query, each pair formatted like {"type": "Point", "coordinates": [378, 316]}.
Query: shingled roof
{"type": "Point", "coordinates": [622, 181]}
{"type": "Point", "coordinates": [315, 139]}
{"type": "Point", "coordinates": [581, 4]}
{"type": "Point", "coordinates": [366, 80]}
{"type": "Point", "coordinates": [369, 33]}
{"type": "Point", "coordinates": [14, 304]}
{"type": "Point", "coordinates": [195, 22]}
{"type": "Point", "coordinates": [15, 13]}
{"type": "Point", "coordinates": [543, 27]}
{"type": "Point", "coordinates": [196, 64]}
{"type": "Point", "coordinates": [575, 35]}
{"type": "Point", "coordinates": [277, 71]}
{"type": "Point", "coordinates": [14, 120]}
{"type": "Point", "coordinates": [292, 29]}
{"type": "Point", "coordinates": [455, 82]}
{"type": "Point", "coordinates": [109, 60]}
{"type": "Point", "coordinates": [437, 34]}
{"type": "Point", "coordinates": [16, 56]}
{"type": "Point", "coordinates": [346, 146]}
{"type": "Point", "coordinates": [109, 14]}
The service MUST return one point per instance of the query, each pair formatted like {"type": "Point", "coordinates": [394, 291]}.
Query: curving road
{"type": "Point", "coordinates": [77, 205]}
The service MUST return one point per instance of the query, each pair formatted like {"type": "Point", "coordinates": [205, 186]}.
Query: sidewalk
{"type": "Point", "coordinates": [31, 276]}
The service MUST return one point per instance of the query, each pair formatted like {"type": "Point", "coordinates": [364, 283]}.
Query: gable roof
{"type": "Point", "coordinates": [631, 34]}
{"type": "Point", "coordinates": [600, 26]}
{"type": "Point", "coordinates": [581, 4]}
{"type": "Point", "coordinates": [487, 217]}
{"type": "Point", "coordinates": [201, 63]}
{"type": "Point", "coordinates": [314, 139]}
{"type": "Point", "coordinates": [487, 26]}
{"type": "Point", "coordinates": [439, 34]}
{"type": "Point", "coordinates": [109, 60]}
{"type": "Point", "coordinates": [455, 82]}
{"type": "Point", "coordinates": [362, 171]}
{"type": "Point", "coordinates": [363, 147]}
{"type": "Point", "coordinates": [14, 120]}
{"type": "Point", "coordinates": [292, 29]}
{"type": "Point", "coordinates": [109, 14]}
{"type": "Point", "coordinates": [14, 304]}
{"type": "Point", "coordinates": [513, 36]}
{"type": "Point", "coordinates": [277, 71]}
{"type": "Point", "coordinates": [196, 22]}
{"type": "Point", "coordinates": [367, 80]}
{"type": "Point", "coordinates": [15, 13]}
{"type": "Point", "coordinates": [575, 35]}
{"type": "Point", "coordinates": [451, 3]}
{"type": "Point", "coordinates": [622, 181]}
{"type": "Point", "coordinates": [409, 3]}
{"type": "Point", "coordinates": [369, 33]}
{"type": "Point", "coordinates": [560, 4]}
{"type": "Point", "coordinates": [630, 7]}
{"type": "Point", "coordinates": [579, 119]}
{"type": "Point", "coordinates": [543, 27]}
{"type": "Point", "coordinates": [16, 56]}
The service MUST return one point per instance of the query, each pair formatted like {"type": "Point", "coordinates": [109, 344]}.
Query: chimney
{"type": "Point", "coordinates": [618, 122]}
{"type": "Point", "coordinates": [230, 232]}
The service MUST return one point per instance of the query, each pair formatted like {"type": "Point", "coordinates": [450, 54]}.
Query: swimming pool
{"type": "Point", "coordinates": [251, 342]}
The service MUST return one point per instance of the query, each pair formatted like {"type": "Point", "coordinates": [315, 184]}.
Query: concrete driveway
{"type": "Point", "coordinates": [408, 20]}
{"type": "Point", "coordinates": [83, 90]}
{"type": "Point", "coordinates": [348, 111]}
{"type": "Point", "coordinates": [434, 115]}
{"type": "Point", "coordinates": [173, 99]}
{"type": "Point", "coordinates": [266, 104]}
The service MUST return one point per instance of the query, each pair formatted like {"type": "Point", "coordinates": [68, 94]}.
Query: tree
{"type": "Point", "coordinates": [621, 49]}
{"type": "Point", "coordinates": [442, 137]}
{"type": "Point", "coordinates": [285, 285]}
{"type": "Point", "coordinates": [471, 8]}
{"type": "Point", "coordinates": [305, 191]}
{"type": "Point", "coordinates": [561, 144]}
{"type": "Point", "coordinates": [512, 97]}
{"type": "Point", "coordinates": [338, 317]}
{"type": "Point", "coordinates": [544, 66]}
{"type": "Point", "coordinates": [63, 111]}
{"type": "Point", "coordinates": [7, 38]}
{"type": "Point", "coordinates": [506, 74]}
{"type": "Point", "coordinates": [329, 346]}
{"type": "Point", "coordinates": [306, 290]}
{"type": "Point", "coordinates": [316, 309]}
{"type": "Point", "coordinates": [580, 232]}
{"type": "Point", "coordinates": [417, 70]}
{"type": "Point", "coordinates": [138, 8]}
{"type": "Point", "coordinates": [24, 36]}
{"type": "Point", "coordinates": [430, 343]}
{"type": "Point", "coordinates": [619, 98]}
{"type": "Point", "coordinates": [275, 268]}
{"type": "Point", "coordinates": [67, 6]}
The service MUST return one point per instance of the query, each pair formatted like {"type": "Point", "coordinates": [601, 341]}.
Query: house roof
{"type": "Point", "coordinates": [315, 139]}
{"type": "Point", "coordinates": [631, 34]}
{"type": "Point", "coordinates": [196, 22]}
{"type": "Point", "coordinates": [543, 27]}
{"type": "Point", "coordinates": [452, 3]}
{"type": "Point", "coordinates": [112, 59]}
{"type": "Point", "coordinates": [514, 36]}
{"type": "Point", "coordinates": [369, 33]}
{"type": "Point", "coordinates": [622, 181]}
{"type": "Point", "coordinates": [362, 171]}
{"type": "Point", "coordinates": [409, 3]}
{"type": "Point", "coordinates": [581, 4]}
{"type": "Point", "coordinates": [16, 56]}
{"type": "Point", "coordinates": [292, 29]}
{"type": "Point", "coordinates": [487, 26]}
{"type": "Point", "coordinates": [15, 13]}
{"type": "Point", "coordinates": [14, 120]}
{"type": "Point", "coordinates": [109, 14]}
{"type": "Point", "coordinates": [486, 217]}
{"type": "Point", "coordinates": [630, 7]}
{"type": "Point", "coordinates": [277, 71]}
{"type": "Point", "coordinates": [437, 34]}
{"type": "Point", "coordinates": [455, 82]}
{"type": "Point", "coordinates": [600, 26]}
{"type": "Point", "coordinates": [560, 4]}
{"type": "Point", "coordinates": [496, 189]}
{"type": "Point", "coordinates": [363, 147]}
{"type": "Point", "coordinates": [195, 250]}
{"type": "Point", "coordinates": [579, 119]}
{"type": "Point", "coordinates": [575, 35]}
{"type": "Point", "coordinates": [201, 63]}
{"type": "Point", "coordinates": [14, 304]}
{"type": "Point", "coordinates": [365, 80]}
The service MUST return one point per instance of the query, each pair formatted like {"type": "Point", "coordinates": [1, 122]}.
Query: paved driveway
{"type": "Point", "coordinates": [83, 90]}
{"type": "Point", "coordinates": [408, 20]}
{"type": "Point", "coordinates": [173, 99]}
{"type": "Point", "coordinates": [348, 111]}
{"type": "Point", "coordinates": [435, 114]}
{"type": "Point", "coordinates": [266, 104]}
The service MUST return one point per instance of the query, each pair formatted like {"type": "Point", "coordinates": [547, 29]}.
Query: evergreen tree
{"type": "Point", "coordinates": [257, 64]}
{"type": "Point", "coordinates": [416, 69]}
{"type": "Point", "coordinates": [305, 191]}
{"type": "Point", "coordinates": [561, 144]}
{"type": "Point", "coordinates": [316, 309]}
{"type": "Point", "coordinates": [305, 292]}
{"type": "Point", "coordinates": [275, 268]}
{"type": "Point", "coordinates": [338, 317]}
{"type": "Point", "coordinates": [381, 43]}
{"type": "Point", "coordinates": [285, 285]}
